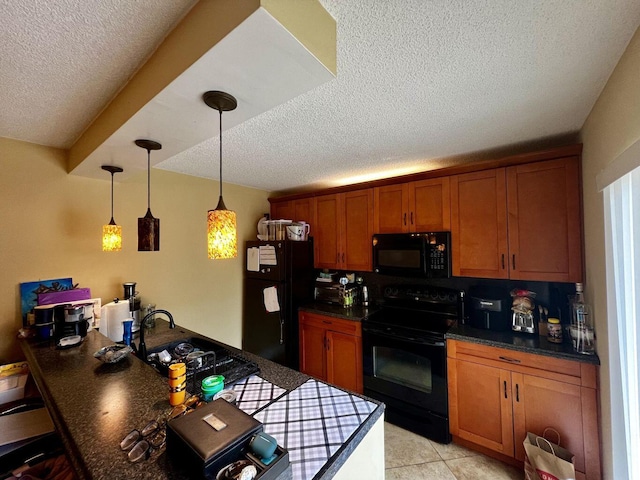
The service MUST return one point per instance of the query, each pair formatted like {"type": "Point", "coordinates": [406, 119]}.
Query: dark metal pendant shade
{"type": "Point", "coordinates": [148, 226]}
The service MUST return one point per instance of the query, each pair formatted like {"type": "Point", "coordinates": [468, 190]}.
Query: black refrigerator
{"type": "Point", "coordinates": [275, 285]}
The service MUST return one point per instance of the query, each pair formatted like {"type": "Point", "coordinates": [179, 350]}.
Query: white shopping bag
{"type": "Point", "coordinates": [544, 460]}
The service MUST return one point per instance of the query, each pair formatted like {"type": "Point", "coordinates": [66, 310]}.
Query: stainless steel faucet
{"type": "Point", "coordinates": [142, 348]}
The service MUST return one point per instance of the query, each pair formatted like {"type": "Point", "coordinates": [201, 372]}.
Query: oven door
{"type": "Point", "coordinates": [401, 365]}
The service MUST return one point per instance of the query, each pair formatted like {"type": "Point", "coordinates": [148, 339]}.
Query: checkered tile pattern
{"type": "Point", "coordinates": [312, 422]}
{"type": "Point", "coordinates": [254, 393]}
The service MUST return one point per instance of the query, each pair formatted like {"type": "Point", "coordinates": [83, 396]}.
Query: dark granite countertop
{"type": "Point", "coordinates": [356, 313]}
{"type": "Point", "coordinates": [520, 341]}
{"type": "Point", "coordinates": [94, 405]}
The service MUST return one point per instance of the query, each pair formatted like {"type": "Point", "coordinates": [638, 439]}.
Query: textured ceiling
{"type": "Point", "coordinates": [417, 80]}
{"type": "Point", "coordinates": [62, 61]}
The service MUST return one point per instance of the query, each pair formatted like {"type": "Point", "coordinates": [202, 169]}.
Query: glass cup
{"type": "Point", "coordinates": [151, 321]}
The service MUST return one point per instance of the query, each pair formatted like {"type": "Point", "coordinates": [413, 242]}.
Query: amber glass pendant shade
{"type": "Point", "coordinates": [222, 236]}
{"type": "Point", "coordinates": [148, 226]}
{"type": "Point", "coordinates": [111, 233]}
{"type": "Point", "coordinates": [222, 239]}
{"type": "Point", "coordinates": [111, 238]}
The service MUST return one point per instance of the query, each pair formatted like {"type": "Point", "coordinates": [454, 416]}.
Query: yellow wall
{"type": "Point", "coordinates": [52, 225]}
{"type": "Point", "coordinates": [612, 126]}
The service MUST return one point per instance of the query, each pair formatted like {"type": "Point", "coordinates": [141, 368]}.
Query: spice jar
{"type": "Point", "coordinates": [554, 330]}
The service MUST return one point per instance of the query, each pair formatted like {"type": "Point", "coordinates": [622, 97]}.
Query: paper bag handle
{"type": "Point", "coordinates": [544, 434]}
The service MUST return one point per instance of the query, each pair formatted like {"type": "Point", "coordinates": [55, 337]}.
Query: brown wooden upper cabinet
{"type": "Point", "coordinates": [343, 225]}
{"type": "Point", "coordinates": [521, 222]}
{"type": "Point", "coordinates": [421, 206]}
{"type": "Point", "coordinates": [296, 210]}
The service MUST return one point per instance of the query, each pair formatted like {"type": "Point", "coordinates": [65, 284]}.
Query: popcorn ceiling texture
{"type": "Point", "coordinates": [62, 61]}
{"type": "Point", "coordinates": [417, 80]}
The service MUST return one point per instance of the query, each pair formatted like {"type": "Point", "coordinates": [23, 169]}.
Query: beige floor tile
{"type": "Point", "coordinates": [404, 448]}
{"type": "Point", "coordinates": [424, 471]}
{"type": "Point", "coordinates": [483, 468]}
{"type": "Point", "coordinates": [451, 451]}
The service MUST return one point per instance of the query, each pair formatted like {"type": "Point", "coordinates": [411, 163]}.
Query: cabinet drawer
{"type": "Point", "coordinates": [512, 359]}
{"type": "Point", "coordinates": [332, 323]}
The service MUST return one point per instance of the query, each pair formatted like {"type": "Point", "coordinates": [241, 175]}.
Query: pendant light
{"type": "Point", "coordinates": [112, 233]}
{"type": "Point", "coordinates": [222, 238]}
{"type": "Point", "coordinates": [148, 226]}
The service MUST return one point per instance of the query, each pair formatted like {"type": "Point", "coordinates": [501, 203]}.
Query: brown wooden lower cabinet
{"type": "Point", "coordinates": [497, 395]}
{"type": "Point", "coordinates": [331, 350]}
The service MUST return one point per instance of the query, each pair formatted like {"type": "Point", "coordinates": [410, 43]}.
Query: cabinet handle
{"type": "Point", "coordinates": [328, 344]}
{"type": "Point", "coordinates": [513, 261]}
{"type": "Point", "coordinates": [503, 261]}
{"type": "Point", "coordinates": [405, 218]}
{"type": "Point", "coordinates": [342, 257]}
{"type": "Point", "coordinates": [510, 360]}
{"type": "Point", "coordinates": [327, 322]}
{"type": "Point", "coordinates": [411, 218]}
{"type": "Point", "coordinates": [517, 393]}
{"type": "Point", "coordinates": [505, 389]}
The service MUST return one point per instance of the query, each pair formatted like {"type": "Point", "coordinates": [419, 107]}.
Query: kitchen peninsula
{"type": "Point", "coordinates": [94, 405]}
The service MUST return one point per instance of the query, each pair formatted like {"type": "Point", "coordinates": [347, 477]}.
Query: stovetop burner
{"type": "Point", "coordinates": [419, 308]}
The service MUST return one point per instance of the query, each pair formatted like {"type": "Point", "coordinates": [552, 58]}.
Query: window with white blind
{"type": "Point", "coordinates": [622, 234]}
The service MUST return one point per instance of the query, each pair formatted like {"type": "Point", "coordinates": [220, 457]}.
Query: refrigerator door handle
{"type": "Point", "coordinates": [281, 330]}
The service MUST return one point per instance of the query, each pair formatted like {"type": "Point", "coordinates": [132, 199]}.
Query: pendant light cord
{"type": "Point", "coordinates": [148, 179]}
{"type": "Point", "coordinates": [220, 152]}
{"type": "Point", "coordinates": [112, 196]}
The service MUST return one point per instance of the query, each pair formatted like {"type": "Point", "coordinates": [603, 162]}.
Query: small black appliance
{"type": "Point", "coordinates": [489, 308]}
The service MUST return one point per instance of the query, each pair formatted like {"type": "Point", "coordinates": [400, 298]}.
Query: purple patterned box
{"type": "Point", "coordinates": [64, 296]}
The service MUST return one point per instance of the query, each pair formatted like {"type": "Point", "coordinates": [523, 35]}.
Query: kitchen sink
{"type": "Point", "coordinates": [202, 358]}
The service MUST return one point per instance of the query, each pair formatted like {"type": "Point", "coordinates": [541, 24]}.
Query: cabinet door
{"type": "Point", "coordinates": [357, 230]}
{"type": "Point", "coordinates": [479, 224]}
{"type": "Point", "coordinates": [303, 210]}
{"type": "Point", "coordinates": [480, 405]}
{"type": "Point", "coordinates": [312, 350]}
{"type": "Point", "coordinates": [539, 403]}
{"type": "Point", "coordinates": [344, 360]}
{"type": "Point", "coordinates": [327, 231]}
{"type": "Point", "coordinates": [429, 205]}
{"type": "Point", "coordinates": [545, 227]}
{"type": "Point", "coordinates": [391, 206]}
{"type": "Point", "coordinates": [282, 210]}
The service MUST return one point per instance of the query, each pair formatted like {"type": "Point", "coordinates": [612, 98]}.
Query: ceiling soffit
{"type": "Point", "coordinates": [246, 48]}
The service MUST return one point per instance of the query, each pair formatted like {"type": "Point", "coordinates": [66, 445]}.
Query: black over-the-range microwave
{"type": "Point", "coordinates": [426, 254]}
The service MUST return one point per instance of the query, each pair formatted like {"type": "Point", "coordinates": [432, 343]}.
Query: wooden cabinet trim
{"type": "Point", "coordinates": [502, 161]}
{"type": "Point", "coordinates": [515, 360]}
{"type": "Point", "coordinates": [332, 323]}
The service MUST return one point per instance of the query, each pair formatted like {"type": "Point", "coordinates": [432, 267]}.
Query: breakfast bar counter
{"type": "Point", "coordinates": [94, 405]}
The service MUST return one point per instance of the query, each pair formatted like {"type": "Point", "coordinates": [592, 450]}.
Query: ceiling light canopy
{"type": "Point", "coordinates": [148, 226]}
{"type": "Point", "coordinates": [222, 237]}
{"type": "Point", "coordinates": [111, 233]}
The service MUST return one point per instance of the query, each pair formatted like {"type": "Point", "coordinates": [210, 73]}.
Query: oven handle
{"type": "Point", "coordinates": [384, 333]}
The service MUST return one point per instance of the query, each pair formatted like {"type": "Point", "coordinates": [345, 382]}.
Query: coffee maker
{"type": "Point", "coordinates": [133, 298]}
{"type": "Point", "coordinates": [489, 308]}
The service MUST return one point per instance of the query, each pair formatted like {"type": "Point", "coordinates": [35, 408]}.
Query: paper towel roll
{"type": "Point", "coordinates": [111, 319]}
